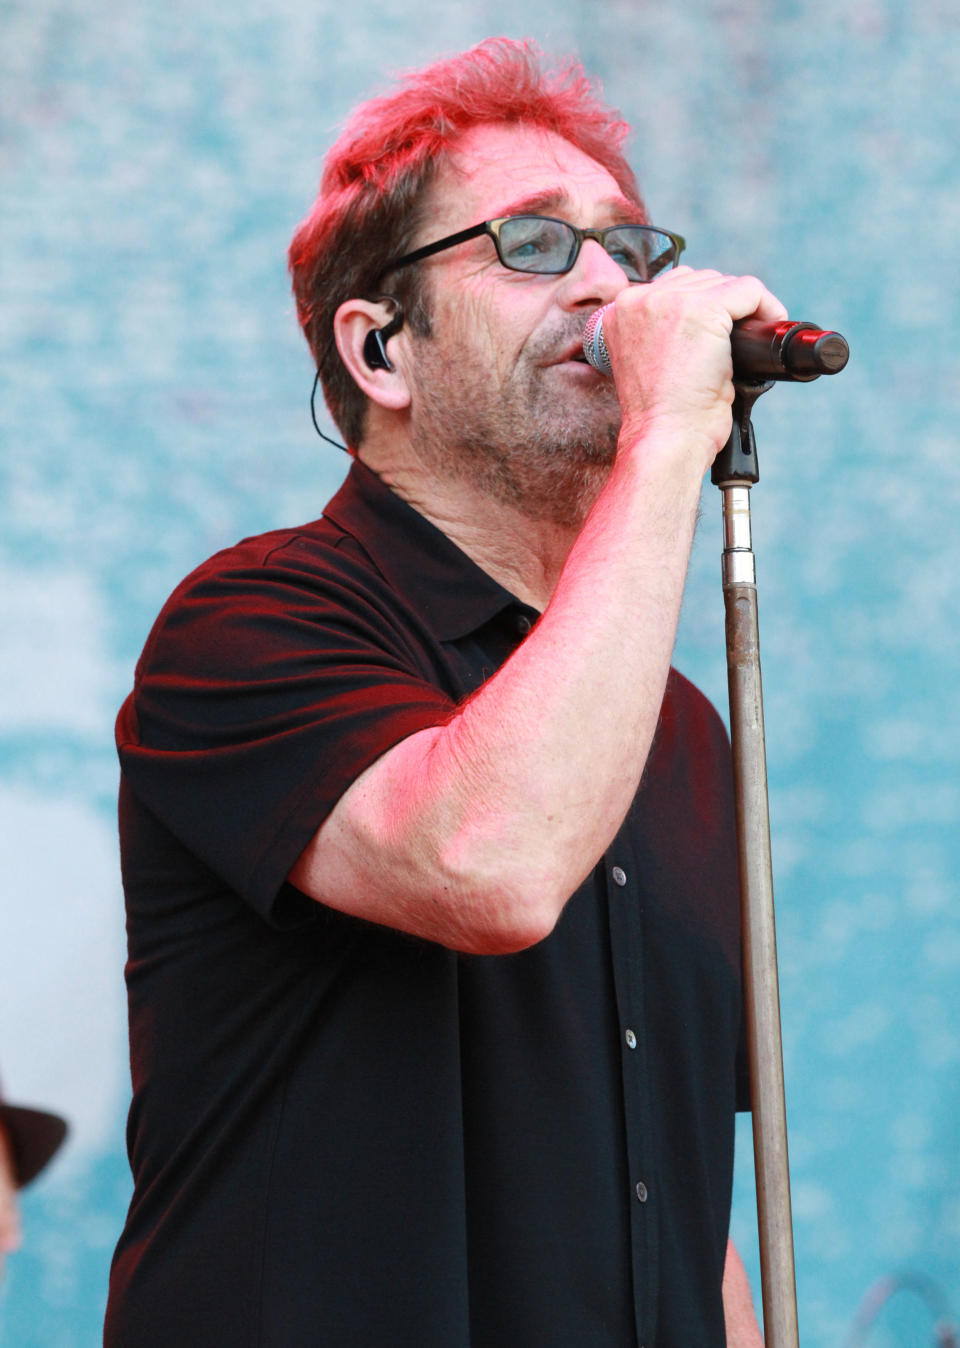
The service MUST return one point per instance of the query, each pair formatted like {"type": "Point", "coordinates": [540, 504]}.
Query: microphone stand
{"type": "Point", "coordinates": [734, 472]}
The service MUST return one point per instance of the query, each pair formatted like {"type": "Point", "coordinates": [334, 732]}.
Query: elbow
{"type": "Point", "coordinates": [505, 913]}
{"type": "Point", "coordinates": [506, 935]}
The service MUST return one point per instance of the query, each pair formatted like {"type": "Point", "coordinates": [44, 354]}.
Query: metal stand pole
{"type": "Point", "coordinates": [734, 472]}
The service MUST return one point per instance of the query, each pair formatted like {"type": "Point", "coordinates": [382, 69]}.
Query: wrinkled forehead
{"type": "Point", "coordinates": [495, 170]}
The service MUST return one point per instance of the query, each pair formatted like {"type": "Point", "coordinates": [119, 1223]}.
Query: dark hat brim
{"type": "Point", "coordinates": [35, 1136]}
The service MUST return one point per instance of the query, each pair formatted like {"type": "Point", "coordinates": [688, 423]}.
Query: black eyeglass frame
{"type": "Point", "coordinates": [493, 227]}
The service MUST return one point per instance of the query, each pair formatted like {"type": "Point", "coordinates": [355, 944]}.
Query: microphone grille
{"type": "Point", "coordinates": [594, 347]}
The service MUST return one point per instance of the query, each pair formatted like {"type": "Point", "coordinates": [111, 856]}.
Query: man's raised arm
{"type": "Point", "coordinates": [475, 833]}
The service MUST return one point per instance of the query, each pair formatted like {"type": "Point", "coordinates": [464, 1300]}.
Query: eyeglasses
{"type": "Point", "coordinates": [548, 247]}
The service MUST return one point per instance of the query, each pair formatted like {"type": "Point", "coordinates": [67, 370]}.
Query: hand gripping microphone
{"type": "Point", "coordinates": [785, 350]}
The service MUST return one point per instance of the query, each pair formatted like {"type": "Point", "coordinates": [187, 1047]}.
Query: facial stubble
{"type": "Point", "coordinates": [533, 440]}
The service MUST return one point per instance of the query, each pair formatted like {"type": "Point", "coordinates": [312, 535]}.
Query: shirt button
{"type": "Point", "coordinates": [523, 624]}
{"type": "Point", "coordinates": [642, 1192]}
{"type": "Point", "coordinates": [631, 1039]}
{"type": "Point", "coordinates": [619, 876]}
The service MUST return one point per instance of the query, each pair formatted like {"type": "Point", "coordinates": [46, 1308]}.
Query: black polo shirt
{"type": "Point", "coordinates": [341, 1135]}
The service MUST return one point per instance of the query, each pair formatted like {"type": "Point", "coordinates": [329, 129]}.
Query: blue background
{"type": "Point", "coordinates": [155, 158]}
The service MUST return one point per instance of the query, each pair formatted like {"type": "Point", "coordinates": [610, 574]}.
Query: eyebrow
{"type": "Point", "coordinates": [555, 199]}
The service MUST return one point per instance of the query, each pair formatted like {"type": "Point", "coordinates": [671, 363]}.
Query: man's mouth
{"type": "Point", "coordinates": [575, 354]}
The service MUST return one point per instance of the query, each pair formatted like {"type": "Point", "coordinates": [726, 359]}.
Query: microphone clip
{"type": "Point", "coordinates": [737, 461]}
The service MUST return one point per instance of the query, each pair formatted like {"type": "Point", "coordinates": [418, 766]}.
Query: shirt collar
{"type": "Point", "coordinates": [452, 593]}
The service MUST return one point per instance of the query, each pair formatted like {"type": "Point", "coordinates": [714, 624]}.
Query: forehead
{"type": "Point", "coordinates": [495, 169]}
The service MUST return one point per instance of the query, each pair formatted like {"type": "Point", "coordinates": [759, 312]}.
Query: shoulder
{"type": "Point", "coordinates": [688, 714]}
{"type": "Point", "coordinates": [691, 751]}
{"type": "Point", "coordinates": [277, 586]}
{"type": "Point", "coordinates": [304, 555]}
{"type": "Point", "coordinates": [294, 622]}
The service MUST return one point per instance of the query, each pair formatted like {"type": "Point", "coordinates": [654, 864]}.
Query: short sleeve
{"type": "Point", "coordinates": [268, 684]}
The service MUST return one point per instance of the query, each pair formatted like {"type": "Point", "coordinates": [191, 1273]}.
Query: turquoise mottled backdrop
{"type": "Point", "coordinates": [154, 158]}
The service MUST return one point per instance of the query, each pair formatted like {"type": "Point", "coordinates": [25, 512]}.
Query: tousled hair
{"type": "Point", "coordinates": [376, 176]}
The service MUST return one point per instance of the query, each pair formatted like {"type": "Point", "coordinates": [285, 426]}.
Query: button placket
{"type": "Point", "coordinates": [627, 936]}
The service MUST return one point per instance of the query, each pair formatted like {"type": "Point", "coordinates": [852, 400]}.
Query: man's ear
{"type": "Point", "coordinates": [363, 330]}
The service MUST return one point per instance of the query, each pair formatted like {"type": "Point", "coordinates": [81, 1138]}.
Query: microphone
{"type": "Point", "coordinates": [785, 350]}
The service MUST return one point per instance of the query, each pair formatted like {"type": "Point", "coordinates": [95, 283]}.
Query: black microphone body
{"type": "Point", "coordinates": [785, 350]}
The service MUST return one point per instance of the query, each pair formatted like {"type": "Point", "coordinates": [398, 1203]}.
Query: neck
{"type": "Point", "coordinates": [523, 547]}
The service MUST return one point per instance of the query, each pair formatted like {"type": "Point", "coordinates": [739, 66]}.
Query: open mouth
{"type": "Point", "coordinates": [574, 355]}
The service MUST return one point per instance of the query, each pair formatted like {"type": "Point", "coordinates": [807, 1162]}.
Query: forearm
{"type": "Point", "coordinates": [553, 748]}
{"type": "Point", "coordinates": [740, 1319]}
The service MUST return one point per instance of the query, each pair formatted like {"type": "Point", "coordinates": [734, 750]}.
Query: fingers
{"type": "Point", "coordinates": [669, 344]}
{"type": "Point", "coordinates": [742, 296]}
{"type": "Point", "coordinates": [703, 299]}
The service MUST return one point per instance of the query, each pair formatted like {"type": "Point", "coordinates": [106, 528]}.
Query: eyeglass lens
{"type": "Point", "coordinates": [538, 244]}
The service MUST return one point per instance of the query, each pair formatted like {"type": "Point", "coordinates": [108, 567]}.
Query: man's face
{"type": "Point", "coordinates": [500, 393]}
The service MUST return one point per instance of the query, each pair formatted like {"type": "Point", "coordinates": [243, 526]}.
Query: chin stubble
{"type": "Point", "coordinates": [518, 443]}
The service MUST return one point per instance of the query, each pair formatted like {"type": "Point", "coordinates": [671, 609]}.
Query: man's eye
{"type": "Point", "coordinates": [632, 263]}
{"type": "Point", "coordinates": [533, 245]}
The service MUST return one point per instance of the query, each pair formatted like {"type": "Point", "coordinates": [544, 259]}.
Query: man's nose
{"type": "Point", "coordinates": [594, 278]}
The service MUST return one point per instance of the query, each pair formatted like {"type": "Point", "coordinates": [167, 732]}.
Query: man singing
{"type": "Point", "coordinates": [434, 965]}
